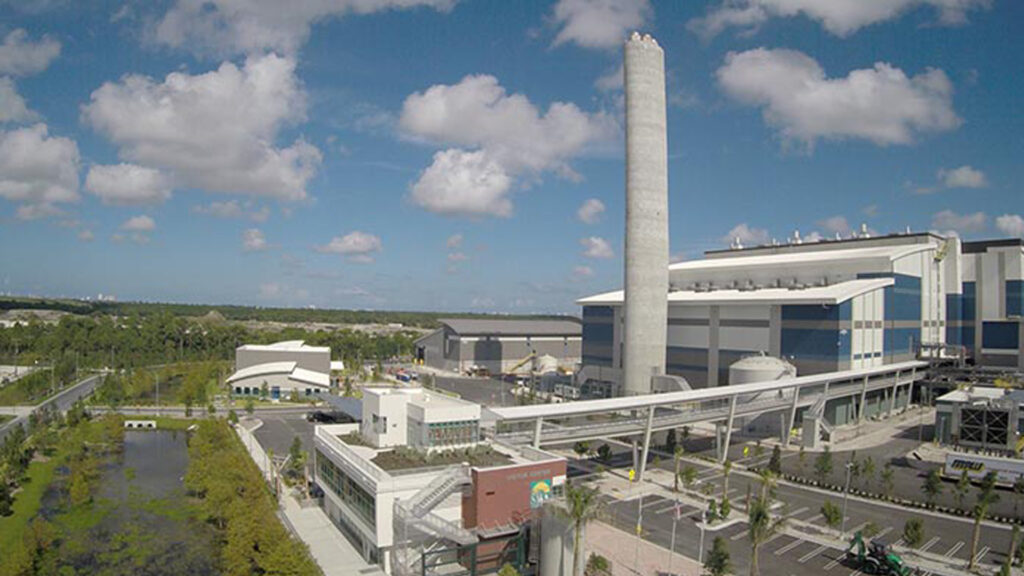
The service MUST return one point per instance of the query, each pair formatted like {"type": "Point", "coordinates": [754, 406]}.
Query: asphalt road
{"type": "Point", "coordinates": [61, 401]}
{"type": "Point", "coordinates": [486, 391]}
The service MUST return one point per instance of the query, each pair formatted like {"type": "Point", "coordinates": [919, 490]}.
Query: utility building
{"type": "Point", "coordinates": [825, 306]}
{"type": "Point", "coordinates": [498, 345]}
{"type": "Point", "coordinates": [282, 368]}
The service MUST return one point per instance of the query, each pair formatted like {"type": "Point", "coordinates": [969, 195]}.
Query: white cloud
{"type": "Point", "coordinates": [454, 241]}
{"type": "Point", "coordinates": [253, 240]}
{"type": "Point", "coordinates": [611, 80]}
{"type": "Point", "coordinates": [270, 290]}
{"type": "Point", "coordinates": [947, 220]}
{"type": "Point", "coordinates": [128, 185]}
{"type": "Point", "coordinates": [510, 137]}
{"type": "Point", "coordinates": [835, 225]}
{"type": "Point", "coordinates": [12, 105]}
{"type": "Point", "coordinates": [840, 17]}
{"type": "Point", "coordinates": [747, 235]}
{"type": "Point", "coordinates": [460, 183]}
{"type": "Point", "coordinates": [226, 27]}
{"type": "Point", "coordinates": [581, 272]}
{"type": "Point", "coordinates": [20, 56]}
{"type": "Point", "coordinates": [214, 131]}
{"type": "Point", "coordinates": [357, 246]}
{"type": "Point", "coordinates": [962, 177]}
{"type": "Point", "coordinates": [457, 257]}
{"type": "Point", "coordinates": [601, 24]}
{"type": "Point", "coordinates": [86, 236]}
{"type": "Point", "coordinates": [590, 211]}
{"type": "Point", "coordinates": [880, 104]}
{"type": "Point", "coordinates": [1011, 225]}
{"type": "Point", "coordinates": [233, 209]}
{"type": "Point", "coordinates": [870, 210]}
{"type": "Point", "coordinates": [595, 247]}
{"type": "Point", "coordinates": [38, 171]}
{"type": "Point", "coordinates": [141, 223]}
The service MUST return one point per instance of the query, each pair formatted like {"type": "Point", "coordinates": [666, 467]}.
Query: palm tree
{"type": "Point", "coordinates": [582, 505]}
{"type": "Point", "coordinates": [769, 481]}
{"type": "Point", "coordinates": [726, 468]}
{"type": "Point", "coordinates": [760, 527]}
{"type": "Point", "coordinates": [677, 455]}
{"type": "Point", "coordinates": [986, 497]}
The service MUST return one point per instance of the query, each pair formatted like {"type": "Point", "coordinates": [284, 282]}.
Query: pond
{"type": "Point", "coordinates": [140, 521]}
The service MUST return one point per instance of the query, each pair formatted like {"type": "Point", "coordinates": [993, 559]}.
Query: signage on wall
{"type": "Point", "coordinates": [540, 492]}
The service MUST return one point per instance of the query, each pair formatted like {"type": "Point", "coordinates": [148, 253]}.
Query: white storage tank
{"type": "Point", "coordinates": [760, 368]}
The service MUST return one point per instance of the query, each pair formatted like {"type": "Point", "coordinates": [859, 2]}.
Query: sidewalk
{"type": "Point", "coordinates": [332, 552]}
{"type": "Point", "coordinates": [620, 549]}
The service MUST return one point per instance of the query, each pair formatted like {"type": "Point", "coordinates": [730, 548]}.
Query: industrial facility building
{"type": "Point", "coordinates": [384, 488]}
{"type": "Point", "coordinates": [496, 346]}
{"type": "Point", "coordinates": [282, 369]}
{"type": "Point", "coordinates": [981, 418]}
{"type": "Point", "coordinates": [826, 306]}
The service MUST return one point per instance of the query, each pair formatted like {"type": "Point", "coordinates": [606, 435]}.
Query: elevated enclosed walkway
{"type": "Point", "coordinates": [642, 415]}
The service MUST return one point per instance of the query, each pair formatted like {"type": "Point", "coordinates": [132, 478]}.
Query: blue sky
{"type": "Point", "coordinates": [467, 155]}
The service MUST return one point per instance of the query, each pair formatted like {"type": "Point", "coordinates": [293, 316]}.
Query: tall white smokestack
{"type": "Point", "coordinates": [646, 313]}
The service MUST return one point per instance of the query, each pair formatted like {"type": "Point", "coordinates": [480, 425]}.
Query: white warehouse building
{"type": "Point", "coordinates": [283, 368]}
{"type": "Point", "coordinates": [825, 306]}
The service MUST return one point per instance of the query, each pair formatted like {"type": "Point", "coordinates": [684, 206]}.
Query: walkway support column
{"type": "Point", "coordinates": [895, 388]}
{"type": "Point", "coordinates": [792, 418]}
{"type": "Point", "coordinates": [647, 443]}
{"type": "Point", "coordinates": [536, 431]}
{"type": "Point", "coordinates": [724, 448]}
{"type": "Point", "coordinates": [863, 400]}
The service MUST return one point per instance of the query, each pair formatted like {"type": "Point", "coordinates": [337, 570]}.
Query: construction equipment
{"type": "Point", "coordinates": [876, 557]}
{"type": "Point", "coordinates": [521, 363]}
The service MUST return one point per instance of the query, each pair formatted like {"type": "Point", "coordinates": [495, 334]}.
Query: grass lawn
{"type": "Point", "coordinates": [26, 502]}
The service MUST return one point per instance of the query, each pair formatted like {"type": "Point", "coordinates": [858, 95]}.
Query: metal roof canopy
{"type": "Point", "coordinates": [510, 327]}
{"type": "Point", "coordinates": [742, 260]}
{"type": "Point", "coordinates": [825, 295]}
{"type": "Point", "coordinates": [583, 407]}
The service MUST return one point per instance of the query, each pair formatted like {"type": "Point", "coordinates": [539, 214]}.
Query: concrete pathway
{"type": "Point", "coordinates": [620, 548]}
{"type": "Point", "coordinates": [332, 552]}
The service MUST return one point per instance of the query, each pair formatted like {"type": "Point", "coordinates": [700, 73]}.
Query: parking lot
{"type": "Point", "coordinates": [785, 554]}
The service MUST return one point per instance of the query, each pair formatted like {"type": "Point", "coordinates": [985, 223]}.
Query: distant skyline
{"type": "Point", "coordinates": [467, 155]}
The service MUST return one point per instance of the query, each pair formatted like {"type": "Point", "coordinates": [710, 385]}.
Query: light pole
{"type": "Point", "coordinates": [672, 545]}
{"type": "Point", "coordinates": [700, 547]}
{"type": "Point", "coordinates": [846, 495]}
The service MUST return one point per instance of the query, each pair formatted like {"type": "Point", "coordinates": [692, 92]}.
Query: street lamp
{"type": "Point", "coordinates": [700, 547]}
{"type": "Point", "coordinates": [846, 494]}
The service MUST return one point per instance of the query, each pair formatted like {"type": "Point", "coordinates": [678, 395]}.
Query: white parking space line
{"type": "Point", "coordinates": [800, 510]}
{"type": "Point", "coordinates": [930, 543]}
{"type": "Point", "coordinates": [653, 502]}
{"type": "Point", "coordinates": [788, 547]}
{"type": "Point", "coordinates": [956, 547]}
{"type": "Point", "coordinates": [981, 554]}
{"type": "Point", "coordinates": [739, 536]}
{"type": "Point", "coordinates": [815, 518]}
{"type": "Point", "coordinates": [812, 554]}
{"type": "Point", "coordinates": [732, 492]}
{"type": "Point", "coordinates": [883, 532]}
{"type": "Point", "coordinates": [835, 562]}
{"type": "Point", "coordinates": [855, 572]}
{"type": "Point", "coordinates": [665, 509]}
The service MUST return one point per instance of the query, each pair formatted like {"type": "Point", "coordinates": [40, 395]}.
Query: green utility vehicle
{"type": "Point", "coordinates": [876, 557]}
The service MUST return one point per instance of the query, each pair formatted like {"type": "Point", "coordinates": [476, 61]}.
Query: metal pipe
{"type": "Point", "coordinates": [728, 430]}
{"type": "Point", "coordinates": [647, 443]}
{"type": "Point", "coordinates": [792, 418]}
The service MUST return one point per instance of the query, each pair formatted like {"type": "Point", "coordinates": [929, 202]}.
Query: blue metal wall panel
{"type": "Point", "coordinates": [1000, 335]}
{"type": "Point", "coordinates": [968, 336]}
{"type": "Point", "coordinates": [817, 313]}
{"type": "Point", "coordinates": [1015, 297]}
{"type": "Point", "coordinates": [969, 302]}
{"type": "Point", "coordinates": [811, 344]}
{"type": "Point", "coordinates": [598, 312]}
{"type": "Point", "coordinates": [954, 332]}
